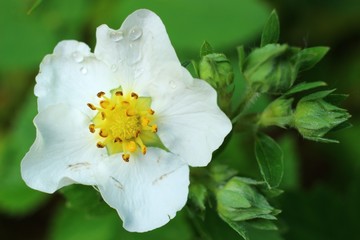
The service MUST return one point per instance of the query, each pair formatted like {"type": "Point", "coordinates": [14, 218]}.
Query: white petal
{"type": "Point", "coordinates": [64, 151]}
{"type": "Point", "coordinates": [147, 191]}
{"type": "Point", "coordinates": [141, 48]}
{"type": "Point", "coordinates": [191, 124]}
{"type": "Point", "coordinates": [72, 75]}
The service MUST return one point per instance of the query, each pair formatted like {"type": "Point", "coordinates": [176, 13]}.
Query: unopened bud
{"type": "Point", "coordinates": [278, 113]}
{"type": "Point", "coordinates": [271, 69]}
{"type": "Point", "coordinates": [314, 116]}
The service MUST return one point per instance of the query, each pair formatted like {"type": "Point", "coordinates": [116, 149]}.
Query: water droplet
{"type": "Point", "coordinates": [172, 84]}
{"type": "Point", "coordinates": [78, 57]}
{"type": "Point", "coordinates": [83, 70]}
{"type": "Point", "coordinates": [135, 33]}
{"type": "Point", "coordinates": [114, 67]}
{"type": "Point", "coordinates": [116, 35]}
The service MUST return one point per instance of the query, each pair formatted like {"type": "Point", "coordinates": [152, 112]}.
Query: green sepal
{"type": "Point", "coordinates": [309, 57]}
{"type": "Point", "coordinates": [206, 49]}
{"type": "Point", "coordinates": [151, 139]}
{"type": "Point", "coordinates": [271, 31]}
{"type": "Point", "coordinates": [270, 160]}
{"type": "Point", "coordinates": [304, 86]}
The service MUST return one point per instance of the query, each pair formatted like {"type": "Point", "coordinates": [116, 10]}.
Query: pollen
{"type": "Point", "coordinates": [124, 123]}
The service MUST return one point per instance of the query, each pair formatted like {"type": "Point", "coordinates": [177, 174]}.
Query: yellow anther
{"type": "Point", "coordinates": [92, 128]}
{"type": "Point", "coordinates": [117, 140]}
{"type": "Point", "coordinates": [103, 133]}
{"type": "Point", "coordinates": [104, 104]}
{"type": "Point", "coordinates": [145, 121]}
{"type": "Point", "coordinates": [125, 103]}
{"type": "Point", "coordinates": [126, 157]}
{"type": "Point", "coordinates": [143, 150]}
{"type": "Point", "coordinates": [134, 95]}
{"type": "Point", "coordinates": [151, 112]}
{"type": "Point", "coordinates": [131, 146]}
{"type": "Point", "coordinates": [100, 145]}
{"type": "Point", "coordinates": [154, 128]}
{"type": "Point", "coordinates": [100, 94]}
{"type": "Point", "coordinates": [103, 115]}
{"type": "Point", "coordinates": [130, 112]}
{"type": "Point", "coordinates": [118, 93]}
{"type": "Point", "coordinates": [92, 107]}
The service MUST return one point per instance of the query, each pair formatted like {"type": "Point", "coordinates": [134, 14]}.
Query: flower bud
{"type": "Point", "coordinates": [271, 69]}
{"type": "Point", "coordinates": [216, 69]}
{"type": "Point", "coordinates": [278, 113]}
{"type": "Point", "coordinates": [314, 116]}
{"type": "Point", "coordinates": [240, 201]}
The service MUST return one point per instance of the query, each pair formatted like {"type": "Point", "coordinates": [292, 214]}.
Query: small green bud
{"type": "Point", "coordinates": [278, 113]}
{"type": "Point", "coordinates": [271, 69]}
{"type": "Point", "coordinates": [314, 116]}
{"type": "Point", "coordinates": [239, 201]}
{"type": "Point", "coordinates": [216, 69]}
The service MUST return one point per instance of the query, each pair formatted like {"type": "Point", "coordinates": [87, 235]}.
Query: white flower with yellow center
{"type": "Point", "coordinates": [127, 118]}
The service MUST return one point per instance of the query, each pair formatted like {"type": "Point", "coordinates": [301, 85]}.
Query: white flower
{"type": "Point", "coordinates": [127, 118]}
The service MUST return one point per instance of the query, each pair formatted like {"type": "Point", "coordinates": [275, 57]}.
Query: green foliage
{"type": "Point", "coordinates": [270, 159]}
{"type": "Point", "coordinates": [15, 197]}
{"type": "Point", "coordinates": [271, 30]}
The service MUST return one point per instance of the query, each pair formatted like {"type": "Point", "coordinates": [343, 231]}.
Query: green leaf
{"type": "Point", "coordinates": [304, 86]}
{"type": "Point", "coordinates": [309, 57]}
{"type": "Point", "coordinates": [270, 159]}
{"type": "Point", "coordinates": [241, 55]}
{"type": "Point", "coordinates": [206, 49]}
{"type": "Point", "coordinates": [271, 30]}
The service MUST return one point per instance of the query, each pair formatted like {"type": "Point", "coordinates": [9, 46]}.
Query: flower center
{"type": "Point", "coordinates": [124, 123]}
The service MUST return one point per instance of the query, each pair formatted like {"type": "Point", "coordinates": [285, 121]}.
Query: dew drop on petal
{"type": "Point", "coordinates": [116, 35]}
{"type": "Point", "coordinates": [172, 84]}
{"type": "Point", "coordinates": [135, 33]}
{"type": "Point", "coordinates": [78, 57]}
{"type": "Point", "coordinates": [114, 67]}
{"type": "Point", "coordinates": [83, 70]}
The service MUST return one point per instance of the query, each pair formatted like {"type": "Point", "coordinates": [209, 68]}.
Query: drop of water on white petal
{"type": "Point", "coordinates": [78, 57]}
{"type": "Point", "coordinates": [114, 67]}
{"type": "Point", "coordinates": [83, 70]}
{"type": "Point", "coordinates": [116, 35]}
{"type": "Point", "coordinates": [172, 84]}
{"type": "Point", "coordinates": [135, 33]}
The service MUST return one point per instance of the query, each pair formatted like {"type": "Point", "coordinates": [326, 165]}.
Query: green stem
{"type": "Point", "coordinates": [250, 95]}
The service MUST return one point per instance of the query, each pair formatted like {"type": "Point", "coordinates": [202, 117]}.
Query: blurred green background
{"type": "Point", "coordinates": [321, 182]}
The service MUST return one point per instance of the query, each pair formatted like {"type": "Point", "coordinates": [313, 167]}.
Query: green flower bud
{"type": "Point", "coordinates": [216, 69]}
{"type": "Point", "coordinates": [271, 69]}
{"type": "Point", "coordinates": [315, 116]}
{"type": "Point", "coordinates": [239, 201]}
{"type": "Point", "coordinates": [278, 113]}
